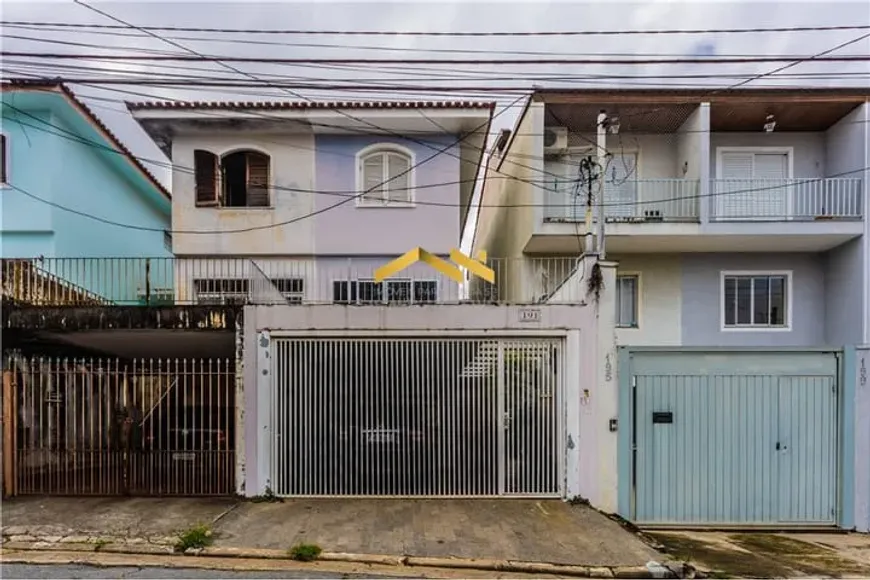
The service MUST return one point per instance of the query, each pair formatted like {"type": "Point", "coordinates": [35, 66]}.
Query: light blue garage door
{"type": "Point", "coordinates": [734, 438]}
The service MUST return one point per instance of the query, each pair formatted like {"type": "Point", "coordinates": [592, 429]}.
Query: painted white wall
{"type": "Point", "coordinates": [659, 307]}
{"type": "Point", "coordinates": [187, 270]}
{"type": "Point", "coordinates": [845, 144]}
{"type": "Point", "coordinates": [574, 323]}
{"type": "Point", "coordinates": [656, 154]}
{"type": "Point", "coordinates": [292, 166]}
{"type": "Point", "coordinates": [689, 150]}
{"type": "Point", "coordinates": [809, 149]}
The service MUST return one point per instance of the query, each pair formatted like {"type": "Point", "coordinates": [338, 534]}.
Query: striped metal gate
{"type": "Point", "coordinates": [95, 426]}
{"type": "Point", "coordinates": [735, 438]}
{"type": "Point", "coordinates": [457, 417]}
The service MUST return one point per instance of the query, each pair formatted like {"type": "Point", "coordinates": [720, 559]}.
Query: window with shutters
{"type": "Point", "coordinates": [385, 176]}
{"type": "Point", "coordinates": [237, 179]}
{"type": "Point", "coordinates": [756, 300]}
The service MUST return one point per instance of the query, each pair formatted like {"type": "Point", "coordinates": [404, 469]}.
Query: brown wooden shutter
{"type": "Point", "coordinates": [205, 164]}
{"type": "Point", "coordinates": [258, 179]}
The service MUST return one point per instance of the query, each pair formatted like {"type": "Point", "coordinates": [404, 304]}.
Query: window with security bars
{"type": "Point", "coordinates": [385, 177]}
{"type": "Point", "coordinates": [398, 291]}
{"type": "Point", "coordinates": [293, 289]}
{"type": "Point", "coordinates": [626, 301]}
{"type": "Point", "coordinates": [756, 300]}
{"type": "Point", "coordinates": [221, 291]}
{"type": "Point", "coordinates": [236, 291]}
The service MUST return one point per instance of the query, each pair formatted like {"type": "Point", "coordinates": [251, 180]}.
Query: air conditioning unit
{"type": "Point", "coordinates": [555, 140]}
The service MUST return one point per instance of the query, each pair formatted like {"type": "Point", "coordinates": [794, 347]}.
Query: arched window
{"type": "Point", "coordinates": [386, 176]}
{"type": "Point", "coordinates": [238, 179]}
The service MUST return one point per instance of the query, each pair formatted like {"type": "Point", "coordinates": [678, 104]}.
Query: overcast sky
{"type": "Point", "coordinates": [422, 16]}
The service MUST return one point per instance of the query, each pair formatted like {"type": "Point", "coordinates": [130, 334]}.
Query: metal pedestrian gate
{"type": "Point", "coordinates": [735, 438]}
{"type": "Point", "coordinates": [93, 426]}
{"type": "Point", "coordinates": [457, 417]}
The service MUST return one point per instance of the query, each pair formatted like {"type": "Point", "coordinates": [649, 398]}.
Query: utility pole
{"type": "Point", "coordinates": [602, 165]}
{"type": "Point", "coordinates": [588, 177]}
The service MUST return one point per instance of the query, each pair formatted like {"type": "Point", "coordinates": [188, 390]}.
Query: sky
{"type": "Point", "coordinates": [409, 15]}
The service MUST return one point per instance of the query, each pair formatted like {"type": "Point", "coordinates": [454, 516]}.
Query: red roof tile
{"type": "Point", "coordinates": [299, 106]}
{"type": "Point", "coordinates": [34, 85]}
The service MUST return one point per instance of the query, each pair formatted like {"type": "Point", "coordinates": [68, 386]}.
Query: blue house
{"type": "Point", "coordinates": [67, 182]}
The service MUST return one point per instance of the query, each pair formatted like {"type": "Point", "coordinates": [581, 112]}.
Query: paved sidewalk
{"type": "Point", "coordinates": [549, 531]}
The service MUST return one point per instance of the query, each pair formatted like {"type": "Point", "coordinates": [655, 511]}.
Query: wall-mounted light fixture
{"type": "Point", "coordinates": [613, 125]}
{"type": "Point", "coordinates": [769, 124]}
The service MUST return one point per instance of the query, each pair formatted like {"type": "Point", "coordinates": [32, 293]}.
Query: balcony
{"type": "Point", "coordinates": [640, 201]}
{"type": "Point", "coordinates": [780, 200]}
{"type": "Point", "coordinates": [156, 282]}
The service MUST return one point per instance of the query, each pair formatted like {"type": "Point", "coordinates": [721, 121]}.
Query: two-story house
{"type": "Point", "coordinates": [737, 222]}
{"type": "Point", "coordinates": [69, 188]}
{"type": "Point", "coordinates": [317, 196]}
{"type": "Point", "coordinates": [736, 217]}
{"type": "Point", "coordinates": [293, 209]}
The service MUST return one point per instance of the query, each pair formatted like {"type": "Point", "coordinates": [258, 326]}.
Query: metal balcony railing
{"type": "Point", "coordinates": [238, 281]}
{"type": "Point", "coordinates": [643, 200]}
{"type": "Point", "coordinates": [786, 199]}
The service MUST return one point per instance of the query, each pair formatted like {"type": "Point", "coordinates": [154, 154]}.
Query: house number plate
{"type": "Point", "coordinates": [530, 315]}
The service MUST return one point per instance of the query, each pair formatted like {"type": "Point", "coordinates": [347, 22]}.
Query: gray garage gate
{"type": "Point", "coordinates": [416, 417]}
{"type": "Point", "coordinates": [736, 437]}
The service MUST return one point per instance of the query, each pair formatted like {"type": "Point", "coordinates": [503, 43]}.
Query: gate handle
{"type": "Point", "coordinates": [784, 447]}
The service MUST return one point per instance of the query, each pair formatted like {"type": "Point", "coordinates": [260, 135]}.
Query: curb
{"type": "Point", "coordinates": [651, 570]}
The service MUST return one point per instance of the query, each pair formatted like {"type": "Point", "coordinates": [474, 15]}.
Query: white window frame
{"type": "Point", "coordinates": [375, 149]}
{"type": "Point", "coordinates": [7, 156]}
{"type": "Point", "coordinates": [638, 294]}
{"type": "Point", "coordinates": [384, 300]}
{"type": "Point", "coordinates": [788, 151]}
{"type": "Point", "coordinates": [789, 300]}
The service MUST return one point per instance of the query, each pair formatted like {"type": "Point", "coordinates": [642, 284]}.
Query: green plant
{"type": "Point", "coordinates": [100, 544]}
{"type": "Point", "coordinates": [196, 537]}
{"type": "Point", "coordinates": [305, 552]}
{"type": "Point", "coordinates": [267, 497]}
{"type": "Point", "coordinates": [596, 282]}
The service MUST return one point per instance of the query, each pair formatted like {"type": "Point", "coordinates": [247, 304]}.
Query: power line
{"type": "Point", "coordinates": [790, 184]}
{"type": "Point", "coordinates": [339, 110]}
{"type": "Point", "coordinates": [422, 75]}
{"type": "Point", "coordinates": [349, 195]}
{"type": "Point", "coordinates": [439, 33]}
{"type": "Point", "coordinates": [427, 61]}
{"type": "Point", "coordinates": [354, 47]}
{"type": "Point", "coordinates": [352, 193]}
{"type": "Point", "coordinates": [175, 167]}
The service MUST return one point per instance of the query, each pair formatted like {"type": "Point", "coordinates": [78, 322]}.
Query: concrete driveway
{"type": "Point", "coordinates": [505, 529]}
{"type": "Point", "coordinates": [509, 529]}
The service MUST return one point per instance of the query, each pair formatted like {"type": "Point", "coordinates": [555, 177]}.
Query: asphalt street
{"type": "Point", "coordinates": [14, 571]}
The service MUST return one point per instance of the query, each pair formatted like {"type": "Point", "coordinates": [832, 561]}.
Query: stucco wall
{"type": "Point", "coordinates": [27, 227]}
{"type": "Point", "coordinates": [844, 309]}
{"type": "Point", "coordinates": [504, 231]}
{"type": "Point", "coordinates": [702, 297]}
{"type": "Point", "coordinates": [575, 324]}
{"type": "Point", "coordinates": [293, 183]}
{"type": "Point", "coordinates": [660, 299]}
{"type": "Point", "coordinates": [353, 229]}
{"type": "Point", "coordinates": [809, 149]}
